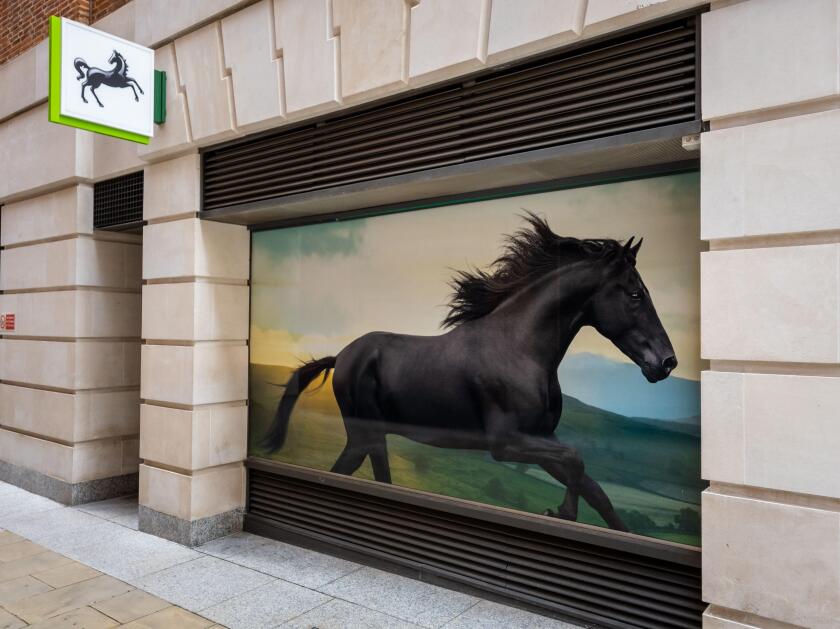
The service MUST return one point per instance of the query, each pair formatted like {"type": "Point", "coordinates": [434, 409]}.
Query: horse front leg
{"type": "Point", "coordinates": [569, 509]}
{"type": "Point", "coordinates": [565, 464]}
{"type": "Point", "coordinates": [130, 81]}
{"type": "Point", "coordinates": [136, 97]}
{"type": "Point", "coordinates": [93, 91]}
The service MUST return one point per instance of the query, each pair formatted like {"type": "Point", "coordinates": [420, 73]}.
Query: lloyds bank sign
{"type": "Point", "coordinates": [103, 83]}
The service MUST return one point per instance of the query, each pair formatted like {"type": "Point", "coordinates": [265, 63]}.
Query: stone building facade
{"type": "Point", "coordinates": [128, 364]}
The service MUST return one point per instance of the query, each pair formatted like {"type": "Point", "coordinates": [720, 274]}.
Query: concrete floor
{"type": "Point", "coordinates": [88, 566]}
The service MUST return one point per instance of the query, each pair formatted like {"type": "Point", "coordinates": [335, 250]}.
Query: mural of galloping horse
{"type": "Point", "coordinates": [115, 77]}
{"type": "Point", "coordinates": [490, 382]}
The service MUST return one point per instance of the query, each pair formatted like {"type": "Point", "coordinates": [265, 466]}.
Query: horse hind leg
{"type": "Point", "coordinates": [379, 461]}
{"type": "Point", "coordinates": [350, 459]}
{"type": "Point", "coordinates": [84, 85]}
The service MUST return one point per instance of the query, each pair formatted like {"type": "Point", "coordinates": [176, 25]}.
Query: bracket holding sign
{"type": "Point", "coordinates": [103, 83]}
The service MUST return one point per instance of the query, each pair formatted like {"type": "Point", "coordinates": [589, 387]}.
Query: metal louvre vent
{"type": "Point", "coordinates": [635, 82]}
{"type": "Point", "coordinates": [594, 584]}
{"type": "Point", "coordinates": [118, 202]}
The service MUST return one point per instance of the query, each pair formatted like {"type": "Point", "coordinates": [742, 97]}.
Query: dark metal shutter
{"type": "Point", "coordinates": [638, 81]}
{"type": "Point", "coordinates": [585, 581]}
{"type": "Point", "coordinates": [118, 202]}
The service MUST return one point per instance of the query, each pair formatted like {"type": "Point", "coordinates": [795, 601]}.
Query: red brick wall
{"type": "Point", "coordinates": [24, 23]}
{"type": "Point", "coordinates": [101, 8]}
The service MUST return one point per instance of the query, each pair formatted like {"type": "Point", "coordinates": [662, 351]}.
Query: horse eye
{"type": "Point", "coordinates": [636, 295]}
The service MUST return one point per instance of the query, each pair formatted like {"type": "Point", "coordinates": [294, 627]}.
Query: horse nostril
{"type": "Point", "coordinates": [669, 364]}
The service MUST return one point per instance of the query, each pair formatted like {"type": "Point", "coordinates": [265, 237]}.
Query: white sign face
{"type": "Point", "coordinates": [106, 79]}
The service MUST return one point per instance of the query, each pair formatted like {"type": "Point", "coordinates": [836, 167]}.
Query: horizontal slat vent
{"type": "Point", "coordinates": [594, 584]}
{"type": "Point", "coordinates": [639, 81]}
{"type": "Point", "coordinates": [118, 202]}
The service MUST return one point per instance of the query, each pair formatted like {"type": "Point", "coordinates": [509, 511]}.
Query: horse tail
{"type": "Point", "coordinates": [301, 378]}
{"type": "Point", "coordinates": [79, 63]}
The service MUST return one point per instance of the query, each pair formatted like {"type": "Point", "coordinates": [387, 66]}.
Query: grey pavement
{"type": "Point", "coordinates": [245, 581]}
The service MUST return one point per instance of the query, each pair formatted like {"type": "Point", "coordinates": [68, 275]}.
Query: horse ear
{"type": "Point", "coordinates": [628, 251]}
{"type": "Point", "coordinates": [635, 249]}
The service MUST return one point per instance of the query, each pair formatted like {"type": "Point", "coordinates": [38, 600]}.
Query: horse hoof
{"type": "Point", "coordinates": [560, 514]}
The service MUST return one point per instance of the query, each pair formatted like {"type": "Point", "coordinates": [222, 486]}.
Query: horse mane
{"type": "Point", "coordinates": [527, 255]}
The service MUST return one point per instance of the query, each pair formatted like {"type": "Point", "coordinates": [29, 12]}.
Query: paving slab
{"type": "Point", "coordinates": [84, 618]}
{"type": "Point", "coordinates": [202, 583]}
{"type": "Point", "coordinates": [131, 521]}
{"type": "Point", "coordinates": [414, 601]}
{"type": "Point", "coordinates": [170, 618]}
{"type": "Point", "coordinates": [7, 621]}
{"type": "Point", "coordinates": [110, 509]}
{"type": "Point", "coordinates": [292, 563]}
{"type": "Point", "coordinates": [18, 550]}
{"type": "Point", "coordinates": [22, 587]}
{"type": "Point", "coordinates": [49, 524]}
{"type": "Point", "coordinates": [103, 533]}
{"type": "Point", "coordinates": [130, 554]}
{"type": "Point", "coordinates": [7, 537]}
{"type": "Point", "coordinates": [29, 565]}
{"type": "Point", "coordinates": [131, 606]}
{"type": "Point", "coordinates": [64, 600]}
{"type": "Point", "coordinates": [490, 615]}
{"type": "Point", "coordinates": [338, 614]}
{"type": "Point", "coordinates": [15, 503]}
{"type": "Point", "coordinates": [266, 606]}
{"type": "Point", "coordinates": [67, 574]}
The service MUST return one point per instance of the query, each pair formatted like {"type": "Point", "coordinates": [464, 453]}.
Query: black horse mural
{"type": "Point", "coordinates": [490, 382]}
{"type": "Point", "coordinates": [115, 77]}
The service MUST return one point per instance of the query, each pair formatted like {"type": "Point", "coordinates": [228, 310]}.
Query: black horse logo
{"type": "Point", "coordinates": [490, 383]}
{"type": "Point", "coordinates": [115, 77]}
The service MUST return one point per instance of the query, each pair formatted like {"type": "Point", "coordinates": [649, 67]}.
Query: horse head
{"type": "Point", "coordinates": [117, 60]}
{"type": "Point", "coordinates": [622, 310]}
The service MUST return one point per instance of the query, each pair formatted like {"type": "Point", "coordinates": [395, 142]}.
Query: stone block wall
{"type": "Point", "coordinates": [70, 370]}
{"type": "Point", "coordinates": [194, 374]}
{"type": "Point", "coordinates": [771, 314]}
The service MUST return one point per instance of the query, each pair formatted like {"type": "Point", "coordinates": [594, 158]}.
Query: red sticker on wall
{"type": "Point", "coordinates": [7, 321]}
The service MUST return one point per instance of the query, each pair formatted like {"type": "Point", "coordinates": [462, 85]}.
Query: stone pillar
{"type": "Point", "coordinates": [70, 369]}
{"type": "Point", "coordinates": [194, 373]}
{"type": "Point", "coordinates": [771, 314]}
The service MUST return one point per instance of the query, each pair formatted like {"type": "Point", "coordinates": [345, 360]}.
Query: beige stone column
{"type": "Point", "coordinates": [771, 314]}
{"type": "Point", "coordinates": [69, 371]}
{"type": "Point", "coordinates": [194, 382]}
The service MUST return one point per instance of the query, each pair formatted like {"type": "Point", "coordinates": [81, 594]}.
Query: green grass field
{"type": "Point", "coordinates": [652, 475]}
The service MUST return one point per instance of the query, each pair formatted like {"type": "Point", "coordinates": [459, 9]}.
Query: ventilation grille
{"type": "Point", "coordinates": [594, 584]}
{"type": "Point", "coordinates": [637, 82]}
{"type": "Point", "coordinates": [118, 202]}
